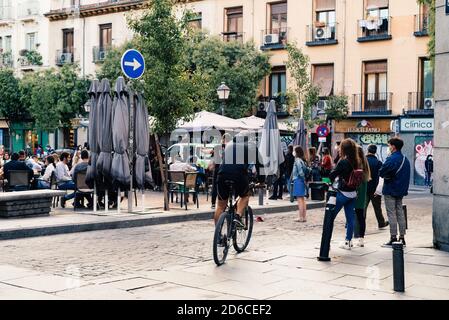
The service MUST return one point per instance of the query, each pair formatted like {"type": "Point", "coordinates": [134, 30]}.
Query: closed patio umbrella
{"type": "Point", "coordinates": [301, 135]}
{"type": "Point", "coordinates": [92, 168]}
{"type": "Point", "coordinates": [270, 143]}
{"type": "Point", "coordinates": [142, 141]}
{"type": "Point", "coordinates": [120, 172]}
{"type": "Point", "coordinates": [104, 134]}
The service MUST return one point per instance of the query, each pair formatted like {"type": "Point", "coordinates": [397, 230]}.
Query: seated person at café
{"type": "Point", "coordinates": [22, 155]}
{"type": "Point", "coordinates": [34, 164]}
{"type": "Point", "coordinates": [81, 166]}
{"type": "Point", "coordinates": [44, 181]}
{"type": "Point", "coordinates": [63, 178]}
{"type": "Point", "coordinates": [16, 165]}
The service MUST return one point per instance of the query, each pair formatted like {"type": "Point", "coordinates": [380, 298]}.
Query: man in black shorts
{"type": "Point", "coordinates": [237, 158]}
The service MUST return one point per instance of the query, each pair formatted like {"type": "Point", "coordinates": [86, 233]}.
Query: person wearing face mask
{"type": "Point", "coordinates": [396, 174]}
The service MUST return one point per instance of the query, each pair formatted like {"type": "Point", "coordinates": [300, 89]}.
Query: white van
{"type": "Point", "coordinates": [203, 152]}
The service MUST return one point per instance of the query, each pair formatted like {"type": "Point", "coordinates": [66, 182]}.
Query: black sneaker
{"type": "Point", "coordinates": [272, 198]}
{"type": "Point", "coordinates": [63, 200]}
{"type": "Point", "coordinates": [390, 243]}
{"type": "Point", "coordinates": [401, 239]}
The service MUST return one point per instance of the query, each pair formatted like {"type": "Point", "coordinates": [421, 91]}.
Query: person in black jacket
{"type": "Point", "coordinates": [376, 199]}
{"type": "Point", "coordinates": [289, 161]}
{"type": "Point", "coordinates": [16, 164]}
{"type": "Point", "coordinates": [346, 195]}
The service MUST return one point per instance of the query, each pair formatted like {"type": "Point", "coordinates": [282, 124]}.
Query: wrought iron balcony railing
{"type": "Point", "coordinates": [422, 23]}
{"type": "Point", "coordinates": [375, 104]}
{"type": "Point", "coordinates": [374, 29]}
{"type": "Point", "coordinates": [275, 38]}
{"type": "Point", "coordinates": [420, 103]}
{"type": "Point", "coordinates": [64, 57]}
{"type": "Point", "coordinates": [321, 34]}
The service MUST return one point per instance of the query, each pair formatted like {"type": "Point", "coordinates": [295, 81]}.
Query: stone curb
{"type": "Point", "coordinates": [133, 222]}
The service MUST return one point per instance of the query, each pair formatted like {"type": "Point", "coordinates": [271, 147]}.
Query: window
{"type": "Point", "coordinates": [375, 83]}
{"type": "Point", "coordinates": [31, 41]}
{"type": "Point", "coordinates": [426, 78]}
{"type": "Point", "coordinates": [196, 22]}
{"type": "Point", "coordinates": [323, 77]}
{"type": "Point", "coordinates": [278, 21]}
{"type": "Point", "coordinates": [105, 36]}
{"type": "Point", "coordinates": [325, 12]}
{"type": "Point", "coordinates": [8, 43]}
{"type": "Point", "coordinates": [234, 20]}
{"type": "Point", "coordinates": [1, 44]}
{"type": "Point", "coordinates": [67, 40]}
{"type": "Point", "coordinates": [278, 81]}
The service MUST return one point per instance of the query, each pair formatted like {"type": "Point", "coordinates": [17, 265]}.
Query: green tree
{"type": "Point", "coordinates": [162, 39]}
{"type": "Point", "coordinates": [337, 107]}
{"type": "Point", "coordinates": [298, 65]}
{"type": "Point", "coordinates": [111, 69]}
{"type": "Point", "coordinates": [211, 61]}
{"type": "Point", "coordinates": [10, 106]}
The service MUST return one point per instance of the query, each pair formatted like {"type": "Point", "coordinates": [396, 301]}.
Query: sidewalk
{"type": "Point", "coordinates": [67, 220]}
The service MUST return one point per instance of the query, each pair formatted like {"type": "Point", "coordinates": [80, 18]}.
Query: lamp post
{"type": "Point", "coordinates": [223, 95]}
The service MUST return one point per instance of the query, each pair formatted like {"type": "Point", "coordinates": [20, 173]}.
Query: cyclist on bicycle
{"type": "Point", "coordinates": [238, 156]}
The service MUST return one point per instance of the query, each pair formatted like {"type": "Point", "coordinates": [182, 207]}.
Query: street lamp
{"type": "Point", "coordinates": [223, 95]}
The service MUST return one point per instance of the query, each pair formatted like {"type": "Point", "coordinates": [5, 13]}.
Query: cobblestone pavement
{"type": "Point", "coordinates": [175, 261]}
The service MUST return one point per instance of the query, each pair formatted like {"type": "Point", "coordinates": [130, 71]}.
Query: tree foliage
{"type": "Point", "coordinates": [298, 65]}
{"type": "Point", "coordinates": [337, 107]}
{"type": "Point", "coordinates": [431, 27]}
{"type": "Point", "coordinates": [10, 106]}
{"type": "Point", "coordinates": [162, 39]}
{"type": "Point", "coordinates": [211, 60]}
{"type": "Point", "coordinates": [54, 97]}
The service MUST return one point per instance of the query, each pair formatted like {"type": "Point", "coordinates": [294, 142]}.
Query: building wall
{"type": "Point", "coordinates": [441, 180]}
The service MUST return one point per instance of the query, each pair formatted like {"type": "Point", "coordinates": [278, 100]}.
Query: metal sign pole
{"type": "Point", "coordinates": [131, 147]}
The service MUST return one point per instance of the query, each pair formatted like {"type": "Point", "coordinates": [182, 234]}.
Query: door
{"type": "Point", "coordinates": [67, 41]}
{"type": "Point", "coordinates": [105, 36]}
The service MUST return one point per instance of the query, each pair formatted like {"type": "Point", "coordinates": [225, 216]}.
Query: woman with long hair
{"type": "Point", "coordinates": [299, 182]}
{"type": "Point", "coordinates": [347, 194]}
{"type": "Point", "coordinates": [326, 163]}
{"type": "Point", "coordinates": [360, 203]}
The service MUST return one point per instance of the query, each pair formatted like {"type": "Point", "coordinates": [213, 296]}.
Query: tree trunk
{"type": "Point", "coordinates": [163, 173]}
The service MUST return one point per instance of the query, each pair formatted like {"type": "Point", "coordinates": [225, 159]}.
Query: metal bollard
{"type": "Point", "coordinates": [328, 226]}
{"type": "Point", "coordinates": [398, 267]}
{"type": "Point", "coordinates": [260, 197]}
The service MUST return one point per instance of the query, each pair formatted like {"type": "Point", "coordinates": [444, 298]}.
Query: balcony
{"type": "Point", "coordinates": [100, 53]}
{"type": "Point", "coordinates": [6, 59]}
{"type": "Point", "coordinates": [274, 39]}
{"type": "Point", "coordinates": [321, 34]}
{"type": "Point", "coordinates": [233, 36]}
{"type": "Point", "coordinates": [420, 103]}
{"type": "Point", "coordinates": [64, 57]}
{"type": "Point", "coordinates": [372, 104]}
{"type": "Point", "coordinates": [281, 106]}
{"type": "Point", "coordinates": [421, 25]}
{"type": "Point", "coordinates": [374, 29]}
{"type": "Point", "coordinates": [64, 9]}
{"type": "Point", "coordinates": [28, 11]}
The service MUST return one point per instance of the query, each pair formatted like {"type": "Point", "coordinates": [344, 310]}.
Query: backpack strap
{"type": "Point", "coordinates": [402, 164]}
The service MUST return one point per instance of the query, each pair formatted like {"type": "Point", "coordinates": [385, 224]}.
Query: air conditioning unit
{"type": "Point", "coordinates": [429, 103]}
{"type": "Point", "coordinates": [322, 105]}
{"type": "Point", "coordinates": [102, 55]}
{"type": "Point", "coordinates": [65, 58]}
{"type": "Point", "coordinates": [322, 33]}
{"type": "Point", "coordinates": [271, 39]}
{"type": "Point", "coordinates": [263, 106]}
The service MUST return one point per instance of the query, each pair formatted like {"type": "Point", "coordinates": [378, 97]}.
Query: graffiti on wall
{"type": "Point", "coordinates": [423, 148]}
{"type": "Point", "coordinates": [378, 139]}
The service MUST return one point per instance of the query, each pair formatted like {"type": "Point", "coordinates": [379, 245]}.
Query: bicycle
{"type": "Point", "coordinates": [229, 227]}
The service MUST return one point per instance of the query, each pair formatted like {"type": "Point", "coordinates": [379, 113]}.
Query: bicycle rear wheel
{"type": "Point", "coordinates": [222, 239]}
{"type": "Point", "coordinates": [242, 235]}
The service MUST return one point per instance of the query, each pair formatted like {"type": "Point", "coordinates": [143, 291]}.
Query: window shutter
{"type": "Point", "coordinates": [323, 77]}
{"type": "Point", "coordinates": [376, 67]}
{"type": "Point", "coordinates": [324, 5]}
{"type": "Point", "coordinates": [373, 4]}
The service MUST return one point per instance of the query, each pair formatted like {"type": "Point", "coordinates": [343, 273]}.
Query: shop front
{"type": "Point", "coordinates": [4, 135]}
{"type": "Point", "coordinates": [417, 134]}
{"type": "Point", "coordinates": [365, 132]}
{"type": "Point", "coordinates": [25, 137]}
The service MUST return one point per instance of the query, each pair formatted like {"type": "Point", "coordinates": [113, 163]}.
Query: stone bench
{"type": "Point", "coordinates": [27, 203]}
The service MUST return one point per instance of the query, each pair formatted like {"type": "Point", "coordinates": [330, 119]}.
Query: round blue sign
{"type": "Point", "coordinates": [133, 64]}
{"type": "Point", "coordinates": [322, 131]}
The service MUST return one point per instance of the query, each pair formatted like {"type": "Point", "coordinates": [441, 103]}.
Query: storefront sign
{"type": "Point", "coordinates": [363, 126]}
{"type": "Point", "coordinates": [417, 124]}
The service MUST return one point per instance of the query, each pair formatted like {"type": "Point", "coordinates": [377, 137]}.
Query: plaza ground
{"type": "Point", "coordinates": [174, 261]}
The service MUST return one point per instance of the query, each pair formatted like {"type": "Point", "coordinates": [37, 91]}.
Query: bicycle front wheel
{"type": "Point", "coordinates": [222, 239]}
{"type": "Point", "coordinates": [242, 234]}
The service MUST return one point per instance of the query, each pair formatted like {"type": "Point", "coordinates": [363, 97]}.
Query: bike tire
{"type": "Point", "coordinates": [220, 252]}
{"type": "Point", "coordinates": [248, 220]}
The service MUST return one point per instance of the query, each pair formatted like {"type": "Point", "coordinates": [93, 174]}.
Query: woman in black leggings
{"type": "Point", "coordinates": [360, 204]}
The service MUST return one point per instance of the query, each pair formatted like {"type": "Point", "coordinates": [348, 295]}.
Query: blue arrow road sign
{"type": "Point", "coordinates": [133, 64]}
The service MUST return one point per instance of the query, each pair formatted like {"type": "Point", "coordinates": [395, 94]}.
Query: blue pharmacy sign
{"type": "Point", "coordinates": [133, 64]}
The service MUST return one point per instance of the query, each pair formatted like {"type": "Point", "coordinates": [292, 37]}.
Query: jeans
{"type": "Point", "coordinates": [395, 215]}
{"type": "Point", "coordinates": [42, 184]}
{"type": "Point", "coordinates": [428, 179]}
{"type": "Point", "coordinates": [289, 187]}
{"type": "Point", "coordinates": [348, 204]}
{"type": "Point", "coordinates": [68, 185]}
{"type": "Point", "coordinates": [376, 200]}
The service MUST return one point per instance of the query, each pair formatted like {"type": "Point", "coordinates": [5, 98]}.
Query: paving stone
{"type": "Point", "coordinates": [425, 292]}
{"type": "Point", "coordinates": [46, 283]}
{"type": "Point", "coordinates": [133, 283]}
{"type": "Point", "coordinates": [11, 272]}
{"type": "Point", "coordinates": [254, 291]}
{"type": "Point", "coordinates": [314, 288]}
{"type": "Point", "coordinates": [362, 271]}
{"type": "Point", "coordinates": [8, 292]}
{"type": "Point", "coordinates": [375, 284]}
{"type": "Point", "coordinates": [97, 292]}
{"type": "Point", "coordinates": [359, 294]}
{"type": "Point", "coordinates": [300, 295]}
{"type": "Point", "coordinates": [439, 260]}
{"type": "Point", "coordinates": [305, 263]}
{"type": "Point", "coordinates": [306, 274]}
{"type": "Point", "coordinates": [412, 267]}
{"type": "Point", "coordinates": [171, 291]}
{"type": "Point", "coordinates": [184, 278]}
